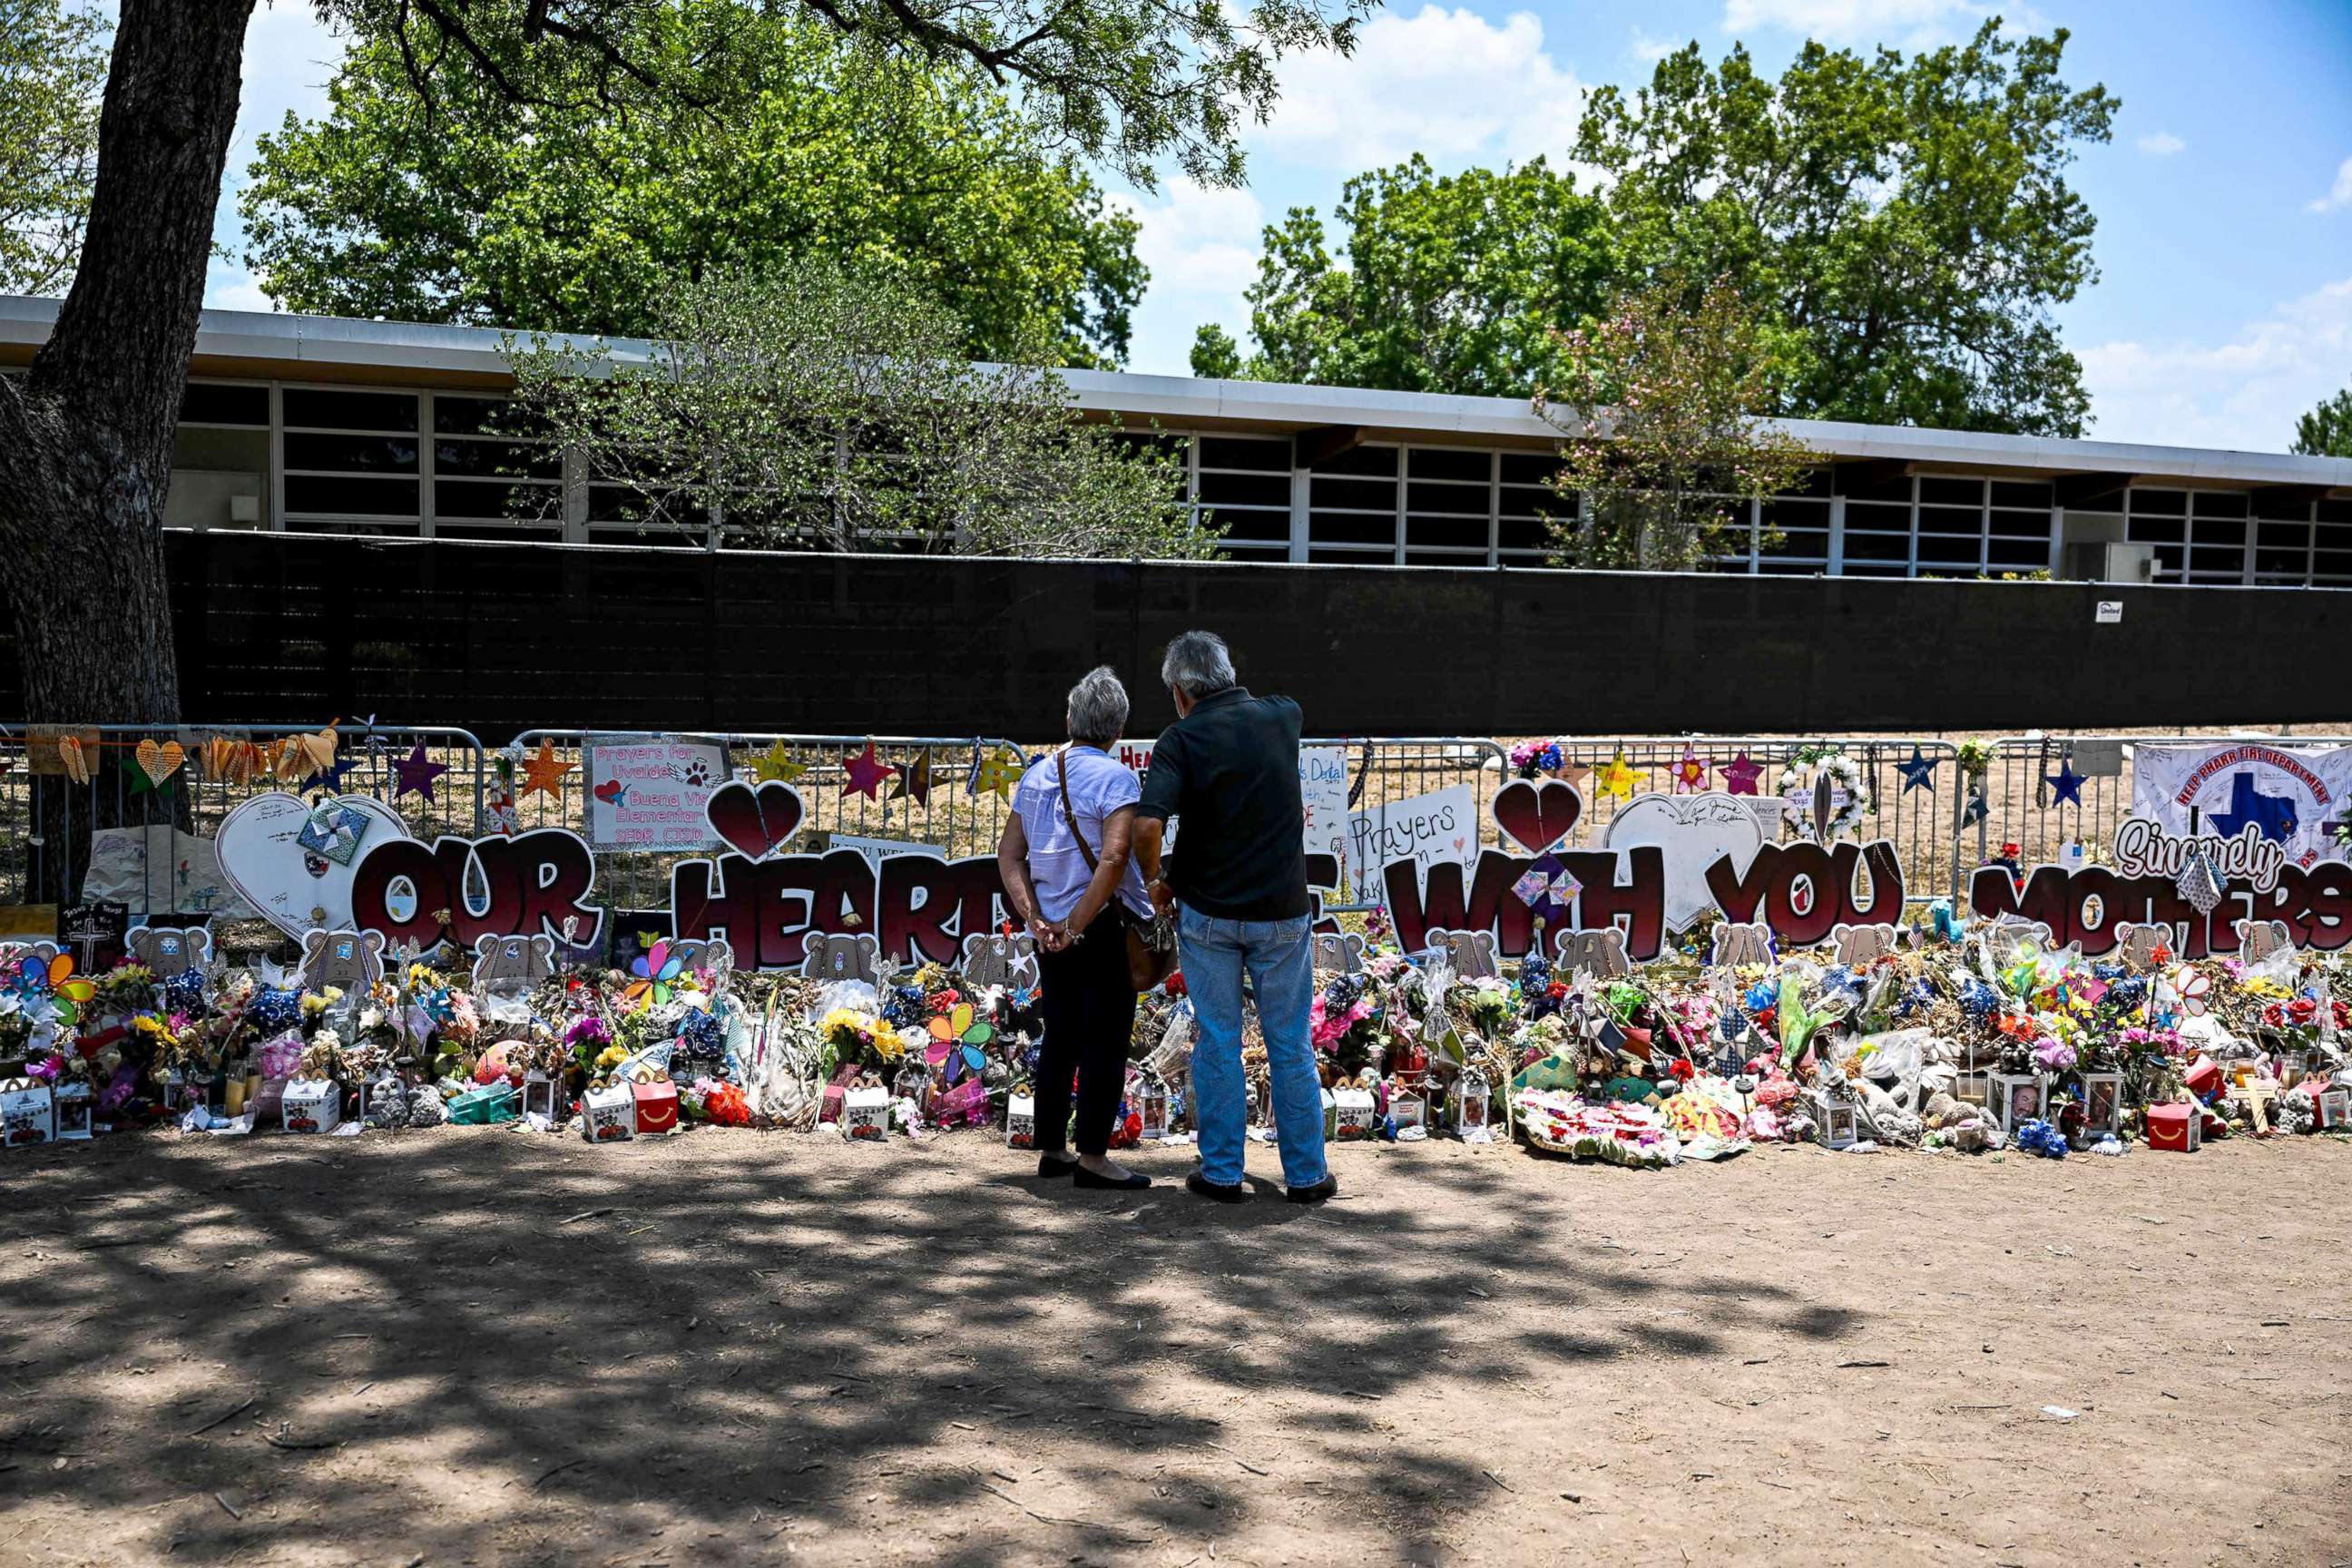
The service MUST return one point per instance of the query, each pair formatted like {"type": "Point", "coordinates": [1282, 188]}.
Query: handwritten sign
{"type": "Point", "coordinates": [1440, 828]}
{"type": "Point", "coordinates": [649, 793]}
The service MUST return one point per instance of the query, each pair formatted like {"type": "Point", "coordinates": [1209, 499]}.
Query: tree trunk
{"type": "Point", "coordinates": [86, 437]}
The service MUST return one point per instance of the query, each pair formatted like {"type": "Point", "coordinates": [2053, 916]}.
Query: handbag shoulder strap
{"type": "Point", "coordinates": [1062, 770]}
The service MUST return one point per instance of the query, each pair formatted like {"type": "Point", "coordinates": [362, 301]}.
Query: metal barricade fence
{"type": "Point", "coordinates": [1385, 771]}
{"type": "Point", "coordinates": [1920, 819]}
{"type": "Point", "coordinates": [2022, 806]}
{"type": "Point", "coordinates": [925, 800]}
{"type": "Point", "coordinates": [149, 864]}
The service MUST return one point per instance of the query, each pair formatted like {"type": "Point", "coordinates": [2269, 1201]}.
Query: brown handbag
{"type": "Point", "coordinates": [1150, 944]}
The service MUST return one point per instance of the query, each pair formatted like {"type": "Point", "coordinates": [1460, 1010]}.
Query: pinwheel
{"type": "Point", "coordinates": [957, 1037]}
{"type": "Point", "coordinates": [656, 970]}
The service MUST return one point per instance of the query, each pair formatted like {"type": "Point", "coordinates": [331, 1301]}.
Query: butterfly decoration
{"type": "Point", "coordinates": [656, 971]}
{"type": "Point", "coordinates": [40, 979]}
{"type": "Point", "coordinates": [1547, 887]}
{"type": "Point", "coordinates": [956, 1041]}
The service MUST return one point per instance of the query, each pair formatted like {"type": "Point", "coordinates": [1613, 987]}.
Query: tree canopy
{"type": "Point", "coordinates": [52, 69]}
{"type": "Point", "coordinates": [1454, 283]}
{"type": "Point", "coordinates": [1906, 223]}
{"type": "Point", "coordinates": [1902, 228]}
{"type": "Point", "coordinates": [2327, 430]}
{"type": "Point", "coordinates": [815, 406]}
{"type": "Point", "coordinates": [572, 208]}
{"type": "Point", "coordinates": [1658, 400]}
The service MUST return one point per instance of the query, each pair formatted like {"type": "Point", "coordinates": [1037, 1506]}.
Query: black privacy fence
{"type": "Point", "coordinates": [497, 639]}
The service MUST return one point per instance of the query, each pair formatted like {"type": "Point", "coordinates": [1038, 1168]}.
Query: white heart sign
{"type": "Point", "coordinates": [295, 862]}
{"type": "Point", "coordinates": [1695, 831]}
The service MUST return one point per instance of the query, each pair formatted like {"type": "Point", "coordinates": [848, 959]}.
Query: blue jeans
{"type": "Point", "coordinates": [1279, 960]}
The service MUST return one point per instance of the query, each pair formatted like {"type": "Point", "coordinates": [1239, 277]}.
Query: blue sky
{"type": "Point", "coordinates": [2224, 307]}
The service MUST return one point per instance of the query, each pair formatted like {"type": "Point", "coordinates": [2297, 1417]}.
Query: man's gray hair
{"type": "Point", "coordinates": [1197, 665]}
{"type": "Point", "coordinates": [1098, 707]}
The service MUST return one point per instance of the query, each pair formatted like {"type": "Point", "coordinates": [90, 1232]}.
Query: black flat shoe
{"type": "Point", "coordinates": [1215, 1192]}
{"type": "Point", "coordinates": [1051, 1166]}
{"type": "Point", "coordinates": [1328, 1187]}
{"type": "Point", "coordinates": [1129, 1183]}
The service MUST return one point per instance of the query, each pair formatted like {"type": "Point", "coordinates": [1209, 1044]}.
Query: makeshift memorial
{"type": "Point", "coordinates": [1696, 834]}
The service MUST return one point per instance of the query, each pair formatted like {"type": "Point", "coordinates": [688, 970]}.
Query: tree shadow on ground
{"type": "Point", "coordinates": [731, 1338]}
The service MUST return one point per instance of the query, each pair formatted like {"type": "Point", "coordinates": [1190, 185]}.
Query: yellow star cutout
{"type": "Point", "coordinates": [544, 773]}
{"type": "Point", "coordinates": [998, 771]}
{"type": "Point", "coordinates": [1617, 779]}
{"type": "Point", "coordinates": [776, 762]}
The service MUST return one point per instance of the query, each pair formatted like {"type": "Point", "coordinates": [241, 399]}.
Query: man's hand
{"type": "Point", "coordinates": [1163, 897]}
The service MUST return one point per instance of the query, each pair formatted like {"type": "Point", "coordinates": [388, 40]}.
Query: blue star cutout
{"type": "Point", "coordinates": [2273, 813]}
{"type": "Point", "coordinates": [1919, 773]}
{"type": "Point", "coordinates": [2065, 785]}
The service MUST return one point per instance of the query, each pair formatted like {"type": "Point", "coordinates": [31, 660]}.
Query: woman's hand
{"type": "Point", "coordinates": [1051, 938]}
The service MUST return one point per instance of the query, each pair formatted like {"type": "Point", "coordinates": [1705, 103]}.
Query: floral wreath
{"type": "Point", "coordinates": [1810, 763]}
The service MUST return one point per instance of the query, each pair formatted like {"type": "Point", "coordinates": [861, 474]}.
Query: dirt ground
{"type": "Point", "coordinates": [489, 1346]}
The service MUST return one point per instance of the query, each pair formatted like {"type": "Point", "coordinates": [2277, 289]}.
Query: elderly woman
{"type": "Point", "coordinates": [1070, 876]}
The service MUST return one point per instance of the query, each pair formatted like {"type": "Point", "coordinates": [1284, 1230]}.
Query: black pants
{"type": "Point", "coordinates": [1089, 1012]}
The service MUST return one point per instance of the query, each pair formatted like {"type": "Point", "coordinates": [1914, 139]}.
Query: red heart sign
{"type": "Point", "coordinates": [1537, 816]}
{"type": "Point", "coordinates": [754, 823]}
{"type": "Point", "coordinates": [611, 790]}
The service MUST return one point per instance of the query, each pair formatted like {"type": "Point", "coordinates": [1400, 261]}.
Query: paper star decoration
{"type": "Point", "coordinates": [543, 774]}
{"type": "Point", "coordinates": [866, 773]}
{"type": "Point", "coordinates": [914, 779]}
{"type": "Point", "coordinates": [1690, 773]}
{"type": "Point", "coordinates": [1919, 772]}
{"type": "Point", "coordinates": [1740, 774]}
{"type": "Point", "coordinates": [776, 762]}
{"type": "Point", "coordinates": [1617, 778]}
{"type": "Point", "coordinates": [996, 771]}
{"type": "Point", "coordinates": [415, 772]}
{"type": "Point", "coordinates": [2065, 785]}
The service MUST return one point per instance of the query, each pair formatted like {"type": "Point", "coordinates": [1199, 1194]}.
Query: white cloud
{"type": "Point", "coordinates": [2160, 144]}
{"type": "Point", "coordinates": [2244, 394]}
{"type": "Point", "coordinates": [1645, 47]}
{"type": "Point", "coordinates": [1201, 244]}
{"type": "Point", "coordinates": [2340, 194]}
{"type": "Point", "coordinates": [1197, 239]}
{"type": "Point", "coordinates": [1903, 24]}
{"type": "Point", "coordinates": [1447, 83]}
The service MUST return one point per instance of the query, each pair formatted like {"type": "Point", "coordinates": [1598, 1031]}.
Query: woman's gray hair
{"type": "Point", "coordinates": [1197, 665]}
{"type": "Point", "coordinates": [1098, 707]}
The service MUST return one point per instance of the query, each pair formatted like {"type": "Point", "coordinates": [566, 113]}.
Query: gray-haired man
{"type": "Point", "coordinates": [1229, 767]}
